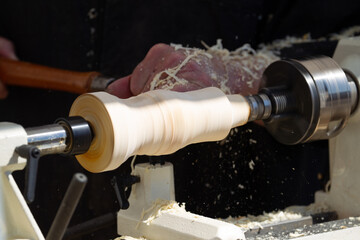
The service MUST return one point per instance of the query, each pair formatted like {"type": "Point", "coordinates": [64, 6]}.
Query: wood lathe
{"type": "Point", "coordinates": [301, 100]}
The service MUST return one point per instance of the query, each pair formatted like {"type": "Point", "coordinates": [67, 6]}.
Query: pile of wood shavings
{"type": "Point", "coordinates": [313, 208]}
{"type": "Point", "coordinates": [161, 206]}
{"type": "Point", "coordinates": [251, 221]}
{"type": "Point", "coordinates": [158, 208]}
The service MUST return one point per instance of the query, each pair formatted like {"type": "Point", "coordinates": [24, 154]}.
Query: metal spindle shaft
{"type": "Point", "coordinates": [49, 138]}
{"type": "Point", "coordinates": [71, 135]}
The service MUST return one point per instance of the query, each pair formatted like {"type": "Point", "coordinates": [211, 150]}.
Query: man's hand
{"type": "Point", "coordinates": [184, 69]}
{"type": "Point", "coordinates": [7, 51]}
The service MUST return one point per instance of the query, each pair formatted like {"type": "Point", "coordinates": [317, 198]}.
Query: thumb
{"type": "Point", "coordinates": [121, 87]}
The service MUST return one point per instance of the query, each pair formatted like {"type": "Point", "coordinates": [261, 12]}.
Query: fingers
{"type": "Point", "coordinates": [3, 91]}
{"type": "Point", "coordinates": [120, 87]}
{"type": "Point", "coordinates": [7, 49]}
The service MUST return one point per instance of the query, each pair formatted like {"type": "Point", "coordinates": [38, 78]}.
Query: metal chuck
{"type": "Point", "coordinates": [305, 100]}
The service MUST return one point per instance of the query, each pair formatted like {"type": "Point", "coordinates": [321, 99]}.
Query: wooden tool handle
{"type": "Point", "coordinates": [33, 75]}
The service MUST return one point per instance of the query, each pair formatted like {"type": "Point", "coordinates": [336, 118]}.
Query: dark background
{"type": "Point", "coordinates": [112, 36]}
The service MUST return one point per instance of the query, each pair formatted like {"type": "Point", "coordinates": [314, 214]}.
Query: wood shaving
{"type": "Point", "coordinates": [129, 238]}
{"type": "Point", "coordinates": [296, 235]}
{"type": "Point", "coordinates": [251, 165]}
{"type": "Point", "coordinates": [132, 165]}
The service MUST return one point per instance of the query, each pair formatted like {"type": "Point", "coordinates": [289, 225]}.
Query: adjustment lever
{"type": "Point", "coordinates": [32, 154]}
{"type": "Point", "coordinates": [120, 188]}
